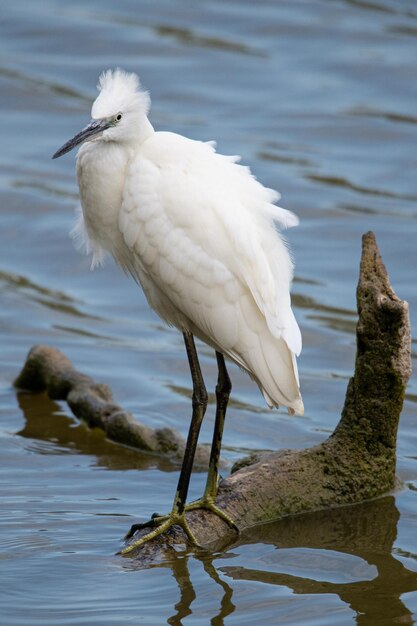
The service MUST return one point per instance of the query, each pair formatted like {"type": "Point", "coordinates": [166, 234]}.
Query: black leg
{"type": "Point", "coordinates": [177, 515]}
{"type": "Point", "coordinates": [223, 389]}
{"type": "Point", "coordinates": [199, 408]}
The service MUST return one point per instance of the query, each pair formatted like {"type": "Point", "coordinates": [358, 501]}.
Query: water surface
{"type": "Point", "coordinates": [319, 98]}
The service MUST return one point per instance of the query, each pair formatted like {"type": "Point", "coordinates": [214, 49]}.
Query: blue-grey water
{"type": "Point", "coordinates": [320, 99]}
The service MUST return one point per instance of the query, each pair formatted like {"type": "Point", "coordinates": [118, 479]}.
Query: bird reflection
{"type": "Point", "coordinates": [187, 594]}
{"type": "Point", "coordinates": [226, 605]}
{"type": "Point", "coordinates": [179, 563]}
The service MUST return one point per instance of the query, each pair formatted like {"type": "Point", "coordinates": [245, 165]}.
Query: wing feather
{"type": "Point", "coordinates": [201, 228]}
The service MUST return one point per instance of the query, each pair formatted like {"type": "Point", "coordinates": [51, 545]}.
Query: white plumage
{"type": "Point", "coordinates": [196, 229]}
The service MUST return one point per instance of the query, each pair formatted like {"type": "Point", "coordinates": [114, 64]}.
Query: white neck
{"type": "Point", "coordinates": [146, 130]}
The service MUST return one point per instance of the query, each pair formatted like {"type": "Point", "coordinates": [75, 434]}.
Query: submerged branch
{"type": "Point", "coordinates": [356, 463]}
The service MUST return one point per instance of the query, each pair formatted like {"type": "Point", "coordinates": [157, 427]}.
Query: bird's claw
{"type": "Point", "coordinates": [207, 503]}
{"type": "Point", "coordinates": [159, 524]}
{"type": "Point", "coordinates": [155, 520]}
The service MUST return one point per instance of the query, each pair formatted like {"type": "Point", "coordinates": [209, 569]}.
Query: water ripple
{"type": "Point", "coordinates": [339, 181]}
{"type": "Point", "coordinates": [40, 83]}
{"type": "Point", "coordinates": [50, 298]}
{"type": "Point", "coordinates": [363, 111]}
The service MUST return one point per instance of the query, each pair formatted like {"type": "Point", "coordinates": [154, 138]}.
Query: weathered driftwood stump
{"type": "Point", "coordinates": [356, 463]}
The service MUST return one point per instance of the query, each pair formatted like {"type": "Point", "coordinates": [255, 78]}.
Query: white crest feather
{"type": "Point", "coordinates": [119, 90]}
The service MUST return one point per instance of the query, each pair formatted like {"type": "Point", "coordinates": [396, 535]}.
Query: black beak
{"type": "Point", "coordinates": [92, 130]}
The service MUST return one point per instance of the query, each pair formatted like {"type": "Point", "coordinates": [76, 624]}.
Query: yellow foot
{"type": "Point", "coordinates": [206, 502]}
{"type": "Point", "coordinates": [160, 523]}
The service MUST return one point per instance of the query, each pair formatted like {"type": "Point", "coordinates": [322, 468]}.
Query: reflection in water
{"type": "Point", "coordinates": [188, 595]}
{"type": "Point", "coordinates": [186, 589]}
{"type": "Point", "coordinates": [226, 605]}
{"type": "Point", "coordinates": [46, 422]}
{"type": "Point", "coordinates": [366, 531]}
{"type": "Point", "coordinates": [179, 564]}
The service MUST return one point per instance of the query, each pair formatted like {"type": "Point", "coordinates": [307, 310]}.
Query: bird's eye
{"type": "Point", "coordinates": [118, 117]}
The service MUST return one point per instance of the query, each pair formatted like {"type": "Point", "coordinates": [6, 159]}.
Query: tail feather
{"type": "Point", "coordinates": [273, 366]}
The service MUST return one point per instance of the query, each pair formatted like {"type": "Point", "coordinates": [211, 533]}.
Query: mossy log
{"type": "Point", "coordinates": [356, 463]}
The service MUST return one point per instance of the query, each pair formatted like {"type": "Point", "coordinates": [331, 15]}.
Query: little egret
{"type": "Point", "coordinates": [196, 230]}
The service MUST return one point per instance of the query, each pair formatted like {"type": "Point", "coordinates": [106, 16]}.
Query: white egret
{"type": "Point", "coordinates": [196, 230]}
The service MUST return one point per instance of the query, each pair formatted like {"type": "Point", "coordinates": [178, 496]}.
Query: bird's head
{"type": "Point", "coordinates": [119, 112]}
